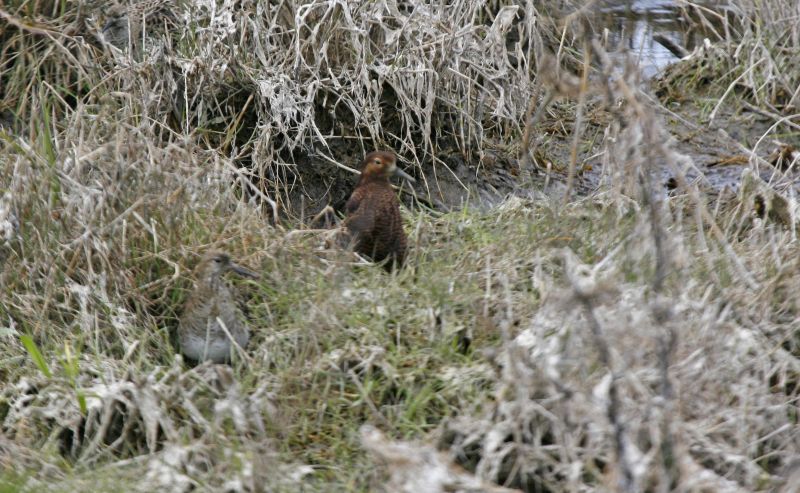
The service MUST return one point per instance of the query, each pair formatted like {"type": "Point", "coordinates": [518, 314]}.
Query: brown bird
{"type": "Point", "coordinates": [201, 335]}
{"type": "Point", "coordinates": [373, 211]}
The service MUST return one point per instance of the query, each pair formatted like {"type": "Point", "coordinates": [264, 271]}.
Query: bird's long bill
{"type": "Point", "coordinates": [403, 174]}
{"type": "Point", "coordinates": [243, 271]}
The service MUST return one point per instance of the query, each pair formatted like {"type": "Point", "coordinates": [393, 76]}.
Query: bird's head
{"type": "Point", "coordinates": [215, 264]}
{"type": "Point", "coordinates": [381, 165]}
{"type": "Point", "coordinates": [115, 30]}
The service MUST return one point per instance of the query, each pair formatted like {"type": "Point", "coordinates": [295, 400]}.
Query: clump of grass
{"type": "Point", "coordinates": [747, 61]}
{"type": "Point", "coordinates": [297, 93]}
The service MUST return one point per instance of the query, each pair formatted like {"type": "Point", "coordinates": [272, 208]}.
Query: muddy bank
{"type": "Point", "coordinates": [653, 34]}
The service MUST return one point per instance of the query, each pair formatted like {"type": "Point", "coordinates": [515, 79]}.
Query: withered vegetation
{"type": "Point", "coordinates": [580, 310]}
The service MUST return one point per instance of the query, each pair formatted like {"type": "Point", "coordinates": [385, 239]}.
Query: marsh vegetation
{"type": "Point", "coordinates": [585, 306]}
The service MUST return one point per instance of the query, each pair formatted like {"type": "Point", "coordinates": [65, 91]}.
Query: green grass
{"type": "Point", "coordinates": [335, 345]}
{"type": "Point", "coordinates": [343, 345]}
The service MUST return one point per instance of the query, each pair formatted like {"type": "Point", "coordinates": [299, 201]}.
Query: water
{"type": "Point", "coordinates": [641, 28]}
{"type": "Point", "coordinates": [636, 25]}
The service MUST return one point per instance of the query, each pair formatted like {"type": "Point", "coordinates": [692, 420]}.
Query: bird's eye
{"type": "Point", "coordinates": [217, 259]}
{"type": "Point", "coordinates": [377, 161]}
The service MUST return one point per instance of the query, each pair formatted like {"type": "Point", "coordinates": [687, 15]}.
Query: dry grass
{"type": "Point", "coordinates": [628, 340]}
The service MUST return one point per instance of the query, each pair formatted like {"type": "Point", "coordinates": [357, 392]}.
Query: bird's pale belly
{"type": "Point", "coordinates": [214, 345]}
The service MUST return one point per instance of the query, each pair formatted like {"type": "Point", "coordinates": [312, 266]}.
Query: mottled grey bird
{"type": "Point", "coordinates": [124, 23]}
{"type": "Point", "coordinates": [202, 336]}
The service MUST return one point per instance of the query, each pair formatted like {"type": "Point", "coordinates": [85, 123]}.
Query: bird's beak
{"type": "Point", "coordinates": [403, 174]}
{"type": "Point", "coordinates": [243, 271]}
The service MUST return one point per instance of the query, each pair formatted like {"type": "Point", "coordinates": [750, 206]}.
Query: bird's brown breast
{"type": "Point", "coordinates": [373, 217]}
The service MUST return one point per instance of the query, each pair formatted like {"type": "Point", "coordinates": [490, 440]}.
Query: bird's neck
{"type": "Point", "coordinates": [376, 179]}
{"type": "Point", "coordinates": [211, 281]}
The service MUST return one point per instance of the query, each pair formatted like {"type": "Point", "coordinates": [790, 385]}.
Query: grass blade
{"type": "Point", "coordinates": [33, 350]}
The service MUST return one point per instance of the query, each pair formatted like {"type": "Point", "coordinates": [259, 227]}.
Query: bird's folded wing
{"type": "Point", "coordinates": [360, 217]}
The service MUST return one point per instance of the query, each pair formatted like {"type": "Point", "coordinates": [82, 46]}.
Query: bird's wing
{"type": "Point", "coordinates": [353, 202]}
{"type": "Point", "coordinates": [360, 217]}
